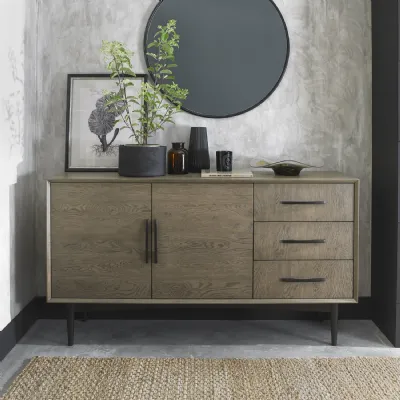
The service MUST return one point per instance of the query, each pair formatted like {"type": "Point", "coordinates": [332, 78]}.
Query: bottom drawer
{"type": "Point", "coordinates": [303, 280]}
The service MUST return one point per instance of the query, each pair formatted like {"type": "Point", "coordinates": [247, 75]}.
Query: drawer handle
{"type": "Point", "coordinates": [304, 202]}
{"type": "Point", "coordinates": [311, 241]}
{"type": "Point", "coordinates": [302, 280]}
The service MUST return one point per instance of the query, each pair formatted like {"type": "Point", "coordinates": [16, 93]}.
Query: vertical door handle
{"type": "Point", "coordinates": [147, 241]}
{"type": "Point", "coordinates": [155, 242]}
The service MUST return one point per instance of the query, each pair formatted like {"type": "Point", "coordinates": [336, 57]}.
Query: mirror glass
{"type": "Point", "coordinates": [232, 54]}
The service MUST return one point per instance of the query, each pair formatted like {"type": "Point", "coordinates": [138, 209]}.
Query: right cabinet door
{"type": "Point", "coordinates": [204, 241]}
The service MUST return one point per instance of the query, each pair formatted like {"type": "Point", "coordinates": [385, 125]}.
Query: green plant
{"type": "Point", "coordinates": [157, 101]}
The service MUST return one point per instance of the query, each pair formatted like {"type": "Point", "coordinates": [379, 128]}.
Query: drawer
{"type": "Point", "coordinates": [303, 240]}
{"type": "Point", "coordinates": [303, 202]}
{"type": "Point", "coordinates": [303, 280]}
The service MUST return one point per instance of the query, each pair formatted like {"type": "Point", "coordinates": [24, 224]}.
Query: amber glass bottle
{"type": "Point", "coordinates": [178, 159]}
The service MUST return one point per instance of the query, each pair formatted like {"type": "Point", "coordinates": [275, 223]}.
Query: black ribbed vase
{"type": "Point", "coordinates": [199, 157]}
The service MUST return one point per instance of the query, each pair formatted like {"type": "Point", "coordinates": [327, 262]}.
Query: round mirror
{"type": "Point", "coordinates": [232, 54]}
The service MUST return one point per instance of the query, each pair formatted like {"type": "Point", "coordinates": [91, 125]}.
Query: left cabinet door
{"type": "Point", "coordinates": [98, 241]}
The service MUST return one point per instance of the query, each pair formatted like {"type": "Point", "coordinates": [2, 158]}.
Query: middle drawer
{"type": "Point", "coordinates": [303, 241]}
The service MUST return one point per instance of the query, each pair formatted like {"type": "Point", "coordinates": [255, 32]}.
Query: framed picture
{"type": "Point", "coordinates": [93, 133]}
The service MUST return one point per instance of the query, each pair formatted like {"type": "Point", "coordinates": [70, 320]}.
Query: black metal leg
{"type": "Point", "coordinates": [334, 323]}
{"type": "Point", "coordinates": [70, 323]}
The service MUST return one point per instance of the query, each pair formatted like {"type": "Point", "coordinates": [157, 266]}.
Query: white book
{"type": "Point", "coordinates": [207, 173]}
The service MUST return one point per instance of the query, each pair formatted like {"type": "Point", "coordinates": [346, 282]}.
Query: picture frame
{"type": "Point", "coordinates": [92, 134]}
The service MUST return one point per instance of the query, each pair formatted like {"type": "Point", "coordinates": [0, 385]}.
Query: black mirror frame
{"type": "Point", "coordinates": [145, 41]}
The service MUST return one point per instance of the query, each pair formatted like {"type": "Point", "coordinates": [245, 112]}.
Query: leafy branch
{"type": "Point", "coordinates": [157, 102]}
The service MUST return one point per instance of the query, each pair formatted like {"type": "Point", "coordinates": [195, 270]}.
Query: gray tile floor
{"type": "Point", "coordinates": [211, 339]}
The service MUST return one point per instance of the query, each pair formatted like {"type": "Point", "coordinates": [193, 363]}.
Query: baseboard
{"type": "Point", "coordinates": [38, 308]}
{"type": "Point", "coordinates": [362, 310]}
{"type": "Point", "coordinates": [18, 327]}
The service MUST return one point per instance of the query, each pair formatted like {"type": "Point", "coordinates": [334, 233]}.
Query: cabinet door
{"type": "Point", "coordinates": [204, 241]}
{"type": "Point", "coordinates": [98, 240]}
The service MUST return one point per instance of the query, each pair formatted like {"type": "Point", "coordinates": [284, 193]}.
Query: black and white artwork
{"type": "Point", "coordinates": [93, 131]}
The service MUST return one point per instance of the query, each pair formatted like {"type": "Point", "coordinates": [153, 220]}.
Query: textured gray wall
{"type": "Point", "coordinates": [23, 192]}
{"type": "Point", "coordinates": [320, 113]}
{"type": "Point", "coordinates": [17, 157]}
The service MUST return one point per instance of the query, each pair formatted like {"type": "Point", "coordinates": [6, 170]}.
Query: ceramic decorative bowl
{"type": "Point", "coordinates": [284, 167]}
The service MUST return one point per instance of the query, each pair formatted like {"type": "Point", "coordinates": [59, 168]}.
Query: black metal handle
{"type": "Point", "coordinates": [311, 241]}
{"type": "Point", "coordinates": [155, 242]}
{"type": "Point", "coordinates": [304, 202]}
{"type": "Point", "coordinates": [303, 280]}
{"type": "Point", "coordinates": [147, 241]}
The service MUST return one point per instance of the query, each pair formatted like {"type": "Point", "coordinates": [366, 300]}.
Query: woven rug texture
{"type": "Point", "coordinates": [62, 378]}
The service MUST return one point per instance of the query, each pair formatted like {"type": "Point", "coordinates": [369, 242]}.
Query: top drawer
{"type": "Point", "coordinates": [304, 202]}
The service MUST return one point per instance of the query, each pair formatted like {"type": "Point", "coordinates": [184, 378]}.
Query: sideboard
{"type": "Point", "coordinates": [192, 240]}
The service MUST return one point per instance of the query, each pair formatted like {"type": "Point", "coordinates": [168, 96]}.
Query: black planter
{"type": "Point", "coordinates": [199, 157]}
{"type": "Point", "coordinates": [136, 161]}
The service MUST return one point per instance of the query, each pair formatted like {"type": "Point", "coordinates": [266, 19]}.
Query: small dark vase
{"type": "Point", "coordinates": [199, 157]}
{"type": "Point", "coordinates": [178, 160]}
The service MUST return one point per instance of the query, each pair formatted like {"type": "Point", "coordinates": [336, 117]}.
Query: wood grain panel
{"type": "Point", "coordinates": [339, 200]}
{"type": "Point", "coordinates": [258, 177]}
{"type": "Point", "coordinates": [98, 240]}
{"type": "Point", "coordinates": [338, 277]}
{"type": "Point", "coordinates": [357, 241]}
{"type": "Point", "coordinates": [338, 238]}
{"type": "Point", "coordinates": [203, 301]}
{"type": "Point", "coordinates": [205, 243]}
{"type": "Point", "coordinates": [100, 287]}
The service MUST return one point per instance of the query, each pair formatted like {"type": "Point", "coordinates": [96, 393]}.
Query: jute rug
{"type": "Point", "coordinates": [200, 379]}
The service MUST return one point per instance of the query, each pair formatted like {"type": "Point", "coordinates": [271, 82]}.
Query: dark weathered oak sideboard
{"type": "Point", "coordinates": [188, 240]}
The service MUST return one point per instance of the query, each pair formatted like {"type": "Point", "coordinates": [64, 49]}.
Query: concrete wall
{"type": "Point", "coordinates": [17, 158]}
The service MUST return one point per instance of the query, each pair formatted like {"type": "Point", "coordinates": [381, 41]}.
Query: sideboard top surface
{"type": "Point", "coordinates": [259, 177]}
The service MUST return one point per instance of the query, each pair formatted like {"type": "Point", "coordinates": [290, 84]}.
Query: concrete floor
{"type": "Point", "coordinates": [210, 339]}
